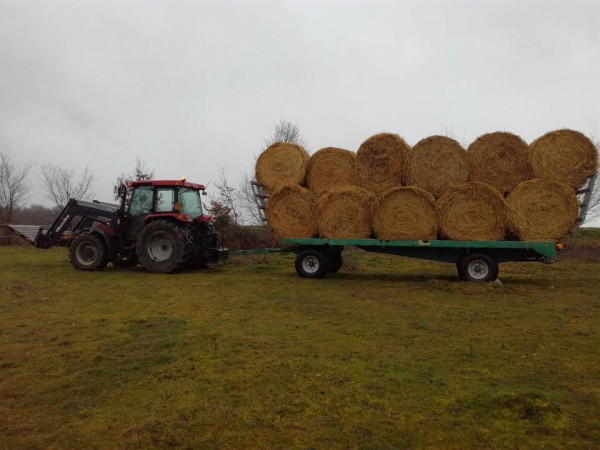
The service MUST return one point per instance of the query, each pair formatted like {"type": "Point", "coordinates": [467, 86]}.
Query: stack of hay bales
{"type": "Point", "coordinates": [496, 189]}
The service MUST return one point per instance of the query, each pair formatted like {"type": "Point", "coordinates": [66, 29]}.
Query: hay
{"type": "Point", "coordinates": [499, 159]}
{"type": "Point", "coordinates": [291, 212]}
{"type": "Point", "coordinates": [435, 164]}
{"type": "Point", "coordinates": [345, 213]}
{"type": "Point", "coordinates": [542, 210]}
{"type": "Point", "coordinates": [472, 211]}
{"type": "Point", "coordinates": [280, 165]}
{"type": "Point", "coordinates": [563, 155]}
{"type": "Point", "coordinates": [380, 162]}
{"type": "Point", "coordinates": [405, 213]}
{"type": "Point", "coordinates": [330, 167]}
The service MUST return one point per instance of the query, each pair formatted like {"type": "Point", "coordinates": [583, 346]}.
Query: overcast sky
{"type": "Point", "coordinates": [192, 86]}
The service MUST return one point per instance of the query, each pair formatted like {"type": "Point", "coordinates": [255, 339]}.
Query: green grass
{"type": "Point", "coordinates": [389, 353]}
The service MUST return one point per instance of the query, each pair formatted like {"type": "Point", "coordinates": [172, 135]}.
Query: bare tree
{"type": "Point", "coordinates": [285, 131]}
{"type": "Point", "coordinates": [14, 187]}
{"type": "Point", "coordinates": [61, 185]}
{"type": "Point", "coordinates": [140, 172]}
{"type": "Point", "coordinates": [227, 196]}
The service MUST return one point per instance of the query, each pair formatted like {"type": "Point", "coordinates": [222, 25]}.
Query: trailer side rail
{"type": "Point", "coordinates": [440, 250]}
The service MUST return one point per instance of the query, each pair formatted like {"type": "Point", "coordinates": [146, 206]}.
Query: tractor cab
{"type": "Point", "coordinates": [152, 199]}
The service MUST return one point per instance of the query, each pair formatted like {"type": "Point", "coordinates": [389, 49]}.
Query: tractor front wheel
{"type": "Point", "coordinates": [88, 252]}
{"type": "Point", "coordinates": [162, 247]}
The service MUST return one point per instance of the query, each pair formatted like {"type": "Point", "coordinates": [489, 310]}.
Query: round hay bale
{"type": "Point", "coordinates": [542, 210]}
{"type": "Point", "coordinates": [472, 211]}
{"type": "Point", "coordinates": [436, 163]}
{"type": "Point", "coordinates": [330, 167]}
{"type": "Point", "coordinates": [499, 159]}
{"type": "Point", "coordinates": [280, 165]}
{"type": "Point", "coordinates": [345, 213]}
{"type": "Point", "coordinates": [404, 213]}
{"type": "Point", "coordinates": [563, 155]}
{"type": "Point", "coordinates": [380, 162]}
{"type": "Point", "coordinates": [291, 212]}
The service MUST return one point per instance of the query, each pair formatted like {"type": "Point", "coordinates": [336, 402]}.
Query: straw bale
{"type": "Point", "coordinates": [330, 167]}
{"type": "Point", "coordinates": [280, 165]}
{"type": "Point", "coordinates": [542, 210]}
{"type": "Point", "coordinates": [404, 213]}
{"type": "Point", "coordinates": [563, 155]}
{"type": "Point", "coordinates": [435, 164]}
{"type": "Point", "coordinates": [380, 162]}
{"type": "Point", "coordinates": [345, 213]}
{"type": "Point", "coordinates": [473, 211]}
{"type": "Point", "coordinates": [291, 212]}
{"type": "Point", "coordinates": [499, 159]}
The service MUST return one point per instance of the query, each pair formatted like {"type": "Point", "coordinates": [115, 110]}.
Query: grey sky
{"type": "Point", "coordinates": [190, 86]}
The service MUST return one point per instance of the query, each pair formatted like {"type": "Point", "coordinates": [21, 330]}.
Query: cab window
{"type": "Point", "coordinates": [165, 199]}
{"type": "Point", "coordinates": [141, 200]}
{"type": "Point", "coordinates": [190, 202]}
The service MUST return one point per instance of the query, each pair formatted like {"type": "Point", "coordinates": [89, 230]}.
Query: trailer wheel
{"type": "Point", "coordinates": [162, 247]}
{"type": "Point", "coordinates": [88, 252]}
{"type": "Point", "coordinates": [335, 263]}
{"type": "Point", "coordinates": [477, 267]}
{"type": "Point", "coordinates": [311, 264]}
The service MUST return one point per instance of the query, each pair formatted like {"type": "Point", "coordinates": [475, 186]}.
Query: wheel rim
{"type": "Point", "coordinates": [310, 264]}
{"type": "Point", "coordinates": [86, 253]}
{"type": "Point", "coordinates": [160, 247]}
{"type": "Point", "coordinates": [478, 269]}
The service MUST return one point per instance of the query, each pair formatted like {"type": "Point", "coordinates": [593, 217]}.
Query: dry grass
{"type": "Point", "coordinates": [388, 353]}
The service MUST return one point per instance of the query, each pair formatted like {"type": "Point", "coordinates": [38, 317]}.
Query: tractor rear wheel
{"type": "Point", "coordinates": [162, 247]}
{"type": "Point", "coordinates": [88, 252]}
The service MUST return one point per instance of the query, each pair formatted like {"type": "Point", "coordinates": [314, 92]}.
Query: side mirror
{"type": "Point", "coordinates": [204, 193]}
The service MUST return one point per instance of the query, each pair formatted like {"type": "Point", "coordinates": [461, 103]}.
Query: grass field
{"type": "Point", "coordinates": [389, 353]}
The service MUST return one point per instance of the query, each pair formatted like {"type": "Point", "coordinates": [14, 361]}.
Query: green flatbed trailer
{"type": "Point", "coordinates": [474, 260]}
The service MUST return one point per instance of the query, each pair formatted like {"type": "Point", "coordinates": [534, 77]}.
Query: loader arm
{"type": "Point", "coordinates": [85, 213]}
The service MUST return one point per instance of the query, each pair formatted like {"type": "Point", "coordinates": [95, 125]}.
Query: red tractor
{"type": "Point", "coordinates": [159, 223]}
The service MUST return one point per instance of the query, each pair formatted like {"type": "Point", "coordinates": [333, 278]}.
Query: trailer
{"type": "Point", "coordinates": [475, 260]}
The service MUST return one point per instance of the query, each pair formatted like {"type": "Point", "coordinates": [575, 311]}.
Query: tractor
{"type": "Point", "coordinates": [159, 224]}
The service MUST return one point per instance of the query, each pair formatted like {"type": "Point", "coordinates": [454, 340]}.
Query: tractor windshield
{"type": "Point", "coordinates": [190, 201]}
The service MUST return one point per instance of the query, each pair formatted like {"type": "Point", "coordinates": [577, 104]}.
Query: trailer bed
{"type": "Point", "coordinates": [475, 260]}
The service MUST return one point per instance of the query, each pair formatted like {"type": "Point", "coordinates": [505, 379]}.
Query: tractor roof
{"type": "Point", "coordinates": [181, 183]}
